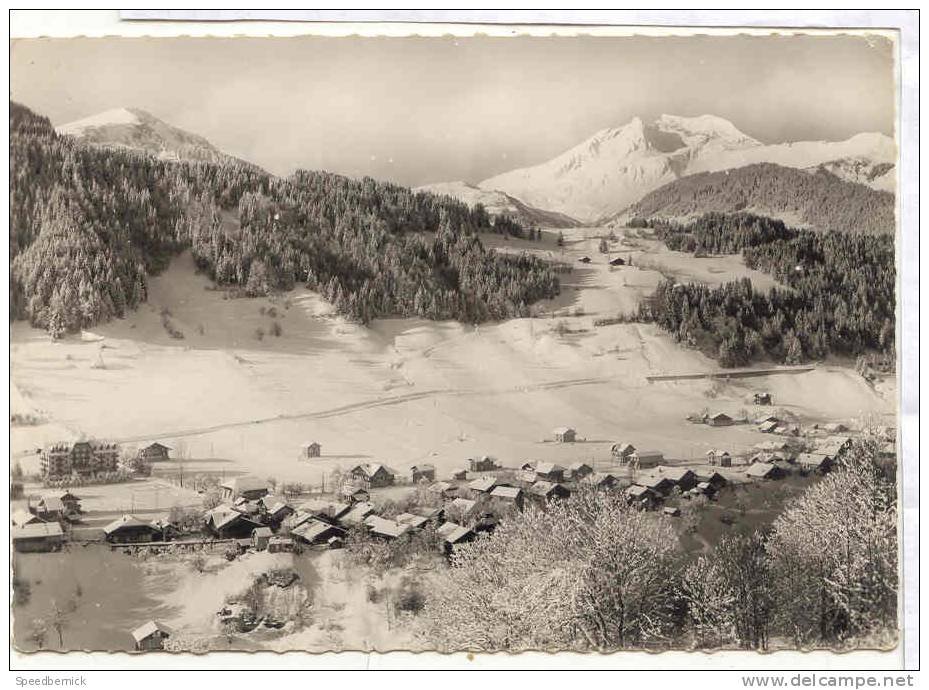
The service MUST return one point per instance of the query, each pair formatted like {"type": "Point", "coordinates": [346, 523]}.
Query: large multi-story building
{"type": "Point", "coordinates": [84, 458]}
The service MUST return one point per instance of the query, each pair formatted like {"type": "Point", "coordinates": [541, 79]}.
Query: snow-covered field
{"type": "Point", "coordinates": [403, 391]}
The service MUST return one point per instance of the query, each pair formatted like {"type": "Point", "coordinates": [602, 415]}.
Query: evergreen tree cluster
{"type": "Point", "coordinates": [819, 199]}
{"type": "Point", "coordinates": [838, 297]}
{"type": "Point", "coordinates": [720, 233]}
{"type": "Point", "coordinates": [88, 226]}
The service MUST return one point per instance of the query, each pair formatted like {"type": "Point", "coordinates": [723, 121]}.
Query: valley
{"type": "Point", "coordinates": [405, 391]}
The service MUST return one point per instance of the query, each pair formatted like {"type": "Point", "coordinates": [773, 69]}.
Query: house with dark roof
{"type": "Point", "coordinates": [549, 471]}
{"type": "Point", "coordinates": [311, 450]}
{"type": "Point", "coordinates": [644, 459]}
{"type": "Point", "coordinates": [354, 493]}
{"type": "Point", "coordinates": [48, 509]}
{"type": "Point", "coordinates": [720, 419]}
{"type": "Point", "coordinates": [131, 530]}
{"type": "Point", "coordinates": [662, 486]}
{"type": "Point", "coordinates": [819, 463]}
{"type": "Point", "coordinates": [274, 509]}
{"type": "Point", "coordinates": [464, 509]}
{"type": "Point", "coordinates": [413, 521]}
{"type": "Point", "coordinates": [151, 636]}
{"type": "Point", "coordinates": [764, 470]}
{"type": "Point", "coordinates": [444, 489]}
{"type": "Point", "coordinates": [603, 481]}
{"type": "Point", "coordinates": [155, 452]}
{"type": "Point", "coordinates": [711, 477]}
{"type": "Point", "coordinates": [508, 497]}
{"type": "Point", "coordinates": [356, 516]}
{"type": "Point", "coordinates": [248, 487]}
{"type": "Point", "coordinates": [422, 473]}
{"type": "Point", "coordinates": [579, 470]}
{"type": "Point", "coordinates": [383, 528]}
{"type": "Point", "coordinates": [452, 534]}
{"type": "Point", "coordinates": [260, 538]}
{"type": "Point", "coordinates": [483, 485]}
{"type": "Point", "coordinates": [373, 475]}
{"type": "Point", "coordinates": [642, 496]}
{"type": "Point", "coordinates": [544, 491]}
{"type": "Point", "coordinates": [482, 464]}
{"type": "Point", "coordinates": [328, 511]}
{"type": "Point", "coordinates": [37, 537]}
{"type": "Point", "coordinates": [622, 451]}
{"type": "Point", "coordinates": [315, 531]}
{"type": "Point", "coordinates": [280, 543]}
{"type": "Point", "coordinates": [228, 523]}
{"type": "Point", "coordinates": [682, 477]}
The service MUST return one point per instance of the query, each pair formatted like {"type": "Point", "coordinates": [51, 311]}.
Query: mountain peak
{"type": "Point", "coordinates": [139, 130]}
{"type": "Point", "coordinates": [617, 166]}
{"type": "Point", "coordinates": [704, 129]}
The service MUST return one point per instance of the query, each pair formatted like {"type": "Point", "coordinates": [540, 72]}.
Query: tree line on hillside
{"type": "Point", "coordinates": [591, 573]}
{"type": "Point", "coordinates": [838, 295]}
{"type": "Point", "coordinates": [717, 233]}
{"type": "Point", "coordinates": [88, 225]}
{"type": "Point", "coordinates": [818, 199]}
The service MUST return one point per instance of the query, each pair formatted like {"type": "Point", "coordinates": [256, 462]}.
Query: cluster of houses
{"type": "Point", "coordinates": [649, 491]}
{"type": "Point", "coordinates": [40, 526]}
{"type": "Point", "coordinates": [88, 459]}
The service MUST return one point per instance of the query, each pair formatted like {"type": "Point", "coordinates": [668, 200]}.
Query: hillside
{"type": "Point", "coordinates": [818, 199]}
{"type": "Point", "coordinates": [501, 204]}
{"type": "Point", "coordinates": [138, 130]}
{"type": "Point", "coordinates": [617, 166]}
{"type": "Point", "coordinates": [89, 224]}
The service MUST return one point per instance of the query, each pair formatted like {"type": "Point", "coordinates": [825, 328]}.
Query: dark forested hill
{"type": "Point", "coordinates": [819, 199]}
{"type": "Point", "coordinates": [839, 295]}
{"type": "Point", "coordinates": [88, 225]}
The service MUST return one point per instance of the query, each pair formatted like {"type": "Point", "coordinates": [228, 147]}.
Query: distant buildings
{"type": "Point", "coordinates": [720, 419]}
{"type": "Point", "coordinates": [422, 473]}
{"type": "Point", "coordinates": [155, 452]}
{"type": "Point", "coordinates": [484, 485]}
{"type": "Point", "coordinates": [482, 464]}
{"type": "Point", "coordinates": [646, 458]}
{"type": "Point", "coordinates": [83, 458]}
{"type": "Point", "coordinates": [260, 538]}
{"type": "Point", "coordinates": [36, 537]}
{"type": "Point", "coordinates": [373, 475]}
{"type": "Point", "coordinates": [579, 470]}
{"type": "Point", "coordinates": [310, 450]}
{"type": "Point", "coordinates": [130, 530]}
{"type": "Point", "coordinates": [764, 470]}
{"type": "Point", "coordinates": [508, 497]}
{"type": "Point", "coordinates": [762, 398]}
{"type": "Point", "coordinates": [565, 434]}
{"type": "Point", "coordinates": [544, 491]}
{"type": "Point", "coordinates": [248, 487]}
{"type": "Point", "coordinates": [549, 471]}
{"type": "Point", "coordinates": [227, 523]}
{"type": "Point", "coordinates": [819, 463]}
{"type": "Point", "coordinates": [151, 636]}
{"type": "Point", "coordinates": [622, 451]}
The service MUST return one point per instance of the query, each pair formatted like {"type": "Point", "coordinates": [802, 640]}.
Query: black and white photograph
{"type": "Point", "coordinates": [455, 343]}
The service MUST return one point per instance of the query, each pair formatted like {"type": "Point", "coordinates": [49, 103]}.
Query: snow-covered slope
{"type": "Point", "coordinates": [616, 167]}
{"type": "Point", "coordinates": [136, 129]}
{"type": "Point", "coordinates": [500, 204]}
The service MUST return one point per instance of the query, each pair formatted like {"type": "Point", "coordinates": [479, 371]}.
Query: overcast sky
{"type": "Point", "coordinates": [418, 110]}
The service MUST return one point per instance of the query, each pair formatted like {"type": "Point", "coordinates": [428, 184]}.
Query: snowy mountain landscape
{"type": "Point", "coordinates": [641, 395]}
{"type": "Point", "coordinates": [138, 130]}
{"type": "Point", "coordinates": [617, 166]}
